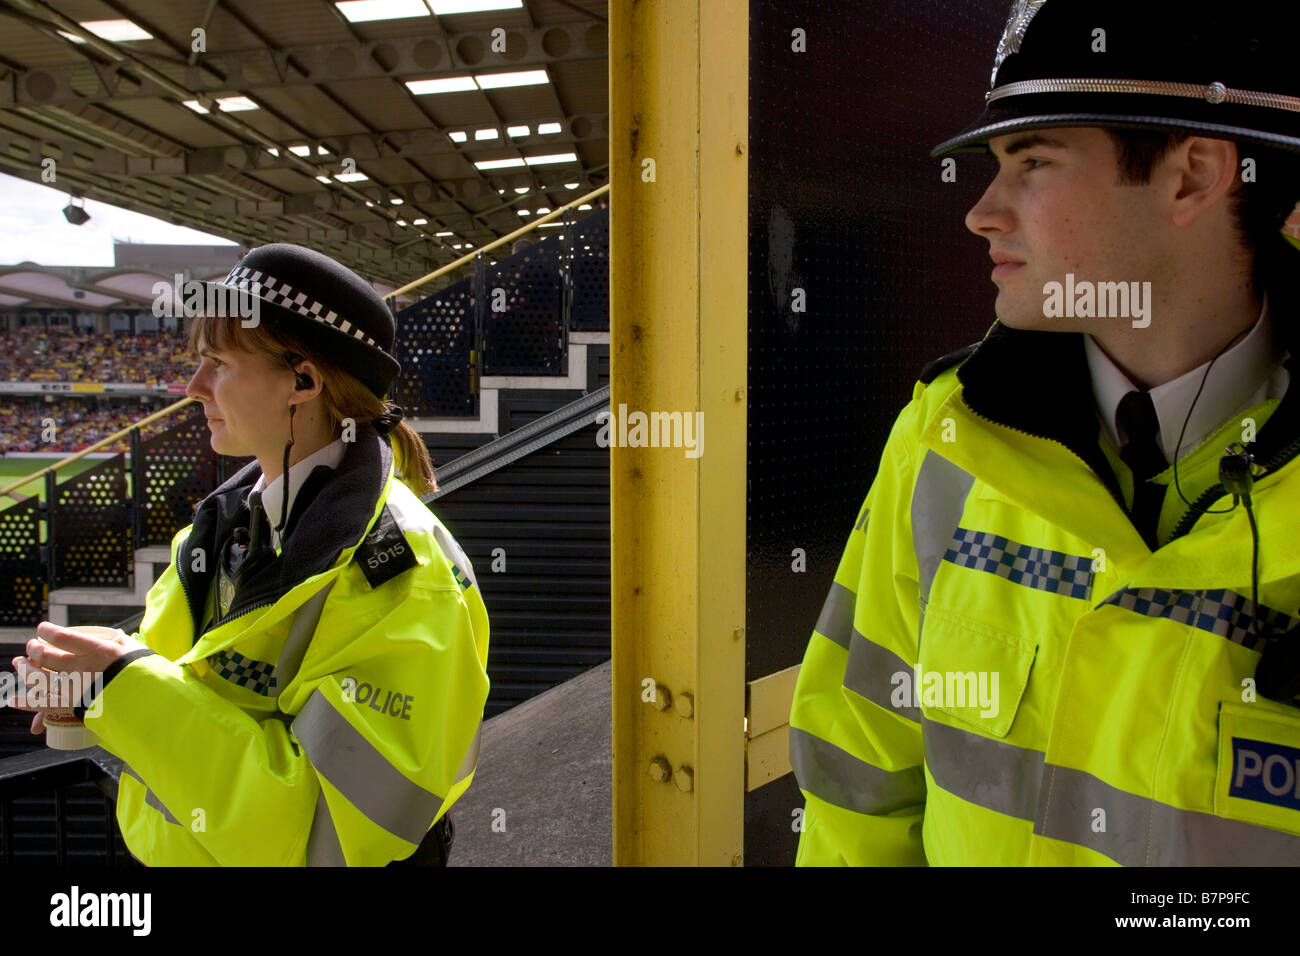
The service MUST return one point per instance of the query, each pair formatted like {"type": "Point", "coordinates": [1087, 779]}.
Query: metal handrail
{"type": "Point", "coordinates": [99, 444]}
{"type": "Point", "coordinates": [470, 256]}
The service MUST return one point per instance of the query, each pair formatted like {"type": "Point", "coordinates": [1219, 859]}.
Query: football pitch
{"type": "Point", "coordinates": [12, 469]}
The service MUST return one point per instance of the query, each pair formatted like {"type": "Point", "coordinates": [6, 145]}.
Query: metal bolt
{"type": "Point", "coordinates": [684, 778]}
{"type": "Point", "coordinates": [740, 394]}
{"type": "Point", "coordinates": [738, 633]}
{"type": "Point", "coordinates": [738, 860]}
{"type": "Point", "coordinates": [685, 705]}
{"type": "Point", "coordinates": [663, 697]}
{"type": "Point", "coordinates": [660, 770]}
{"type": "Point", "coordinates": [740, 149]}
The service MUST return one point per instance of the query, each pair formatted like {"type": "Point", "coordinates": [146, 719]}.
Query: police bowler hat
{"type": "Point", "coordinates": [327, 307]}
{"type": "Point", "coordinates": [1227, 71]}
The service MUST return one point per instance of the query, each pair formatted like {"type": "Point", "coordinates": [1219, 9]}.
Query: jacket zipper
{"type": "Point", "coordinates": [1217, 491]}
{"type": "Point", "coordinates": [216, 622]}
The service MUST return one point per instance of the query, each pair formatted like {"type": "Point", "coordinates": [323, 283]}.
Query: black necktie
{"type": "Point", "coordinates": [1142, 453]}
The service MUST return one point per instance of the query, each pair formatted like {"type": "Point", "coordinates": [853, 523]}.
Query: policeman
{"type": "Point", "coordinates": [309, 676]}
{"type": "Point", "coordinates": [1060, 631]}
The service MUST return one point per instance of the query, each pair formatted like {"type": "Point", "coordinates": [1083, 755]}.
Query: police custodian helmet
{"type": "Point", "coordinates": [1222, 70]}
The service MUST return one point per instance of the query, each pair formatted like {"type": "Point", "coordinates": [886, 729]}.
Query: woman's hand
{"type": "Point", "coordinates": [64, 650]}
{"type": "Point", "coordinates": [67, 650]}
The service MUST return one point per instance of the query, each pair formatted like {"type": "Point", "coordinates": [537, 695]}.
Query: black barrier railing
{"type": "Point", "coordinates": [511, 318]}
{"type": "Point", "coordinates": [94, 527]}
{"type": "Point", "coordinates": [89, 522]}
{"type": "Point", "coordinates": [589, 273]}
{"type": "Point", "coordinates": [523, 311]}
{"type": "Point", "coordinates": [22, 569]}
{"type": "Point", "coordinates": [436, 347]}
{"type": "Point", "coordinates": [170, 474]}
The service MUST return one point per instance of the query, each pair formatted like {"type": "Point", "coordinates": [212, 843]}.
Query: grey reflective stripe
{"type": "Point", "coordinates": [839, 778]}
{"type": "Point", "coordinates": [471, 756]}
{"type": "Point", "coordinates": [937, 504]}
{"type": "Point", "coordinates": [862, 520]}
{"type": "Point", "coordinates": [323, 848]}
{"type": "Point", "coordinates": [150, 798]}
{"type": "Point", "coordinates": [341, 755]}
{"type": "Point", "coordinates": [989, 773]}
{"type": "Point", "coordinates": [836, 619]}
{"type": "Point", "coordinates": [870, 671]}
{"type": "Point", "coordinates": [1063, 802]}
{"type": "Point", "coordinates": [300, 634]}
{"type": "Point", "coordinates": [1142, 832]}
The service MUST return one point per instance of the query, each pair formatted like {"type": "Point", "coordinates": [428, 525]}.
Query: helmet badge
{"type": "Point", "coordinates": [1022, 11]}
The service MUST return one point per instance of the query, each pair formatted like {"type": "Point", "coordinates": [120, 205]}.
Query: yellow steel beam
{"type": "Point", "coordinates": [679, 102]}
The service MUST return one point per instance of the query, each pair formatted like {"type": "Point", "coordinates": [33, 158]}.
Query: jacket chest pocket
{"type": "Point", "coordinates": [971, 672]}
{"type": "Point", "coordinates": [1258, 778]}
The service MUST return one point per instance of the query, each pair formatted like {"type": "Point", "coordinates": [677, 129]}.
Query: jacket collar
{"type": "Point", "coordinates": [334, 509]}
{"type": "Point", "coordinates": [1037, 385]}
{"type": "Point", "coordinates": [1038, 382]}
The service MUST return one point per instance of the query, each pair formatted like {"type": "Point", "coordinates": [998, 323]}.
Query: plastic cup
{"type": "Point", "coordinates": [63, 731]}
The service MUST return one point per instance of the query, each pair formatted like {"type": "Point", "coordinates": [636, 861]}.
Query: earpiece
{"type": "Point", "coordinates": [302, 381]}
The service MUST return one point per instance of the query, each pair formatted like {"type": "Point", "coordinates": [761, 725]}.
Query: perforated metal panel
{"type": "Point", "coordinates": [847, 206]}
{"type": "Point", "coordinates": [523, 329]}
{"type": "Point", "coordinates": [91, 528]}
{"type": "Point", "coordinates": [590, 271]}
{"type": "Point", "coordinates": [22, 575]}
{"type": "Point", "coordinates": [176, 470]}
{"type": "Point", "coordinates": [435, 341]}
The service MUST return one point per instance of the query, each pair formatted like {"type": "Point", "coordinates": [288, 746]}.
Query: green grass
{"type": "Point", "coordinates": [11, 469]}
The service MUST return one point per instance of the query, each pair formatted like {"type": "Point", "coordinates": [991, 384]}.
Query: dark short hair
{"type": "Point", "coordinates": [1260, 208]}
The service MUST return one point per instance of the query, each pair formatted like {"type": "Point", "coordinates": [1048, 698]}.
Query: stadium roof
{"type": "Point", "coordinates": [307, 122]}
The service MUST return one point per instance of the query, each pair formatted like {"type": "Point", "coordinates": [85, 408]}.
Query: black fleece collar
{"type": "Point", "coordinates": [331, 512]}
{"type": "Point", "coordinates": [1039, 382]}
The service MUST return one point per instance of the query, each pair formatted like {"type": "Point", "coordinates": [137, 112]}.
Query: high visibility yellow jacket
{"type": "Point", "coordinates": [1004, 673]}
{"type": "Point", "coordinates": [331, 717]}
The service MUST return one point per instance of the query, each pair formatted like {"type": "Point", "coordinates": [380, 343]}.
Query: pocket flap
{"type": "Point", "coordinates": [972, 672]}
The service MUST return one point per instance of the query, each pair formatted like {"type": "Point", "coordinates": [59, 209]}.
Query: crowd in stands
{"type": "Point", "coordinates": [78, 422]}
{"type": "Point", "coordinates": [33, 354]}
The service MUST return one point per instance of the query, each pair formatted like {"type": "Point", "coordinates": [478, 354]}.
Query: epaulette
{"type": "Point", "coordinates": [384, 553]}
{"type": "Point", "coordinates": [941, 365]}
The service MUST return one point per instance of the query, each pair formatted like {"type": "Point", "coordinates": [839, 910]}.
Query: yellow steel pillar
{"type": "Point", "coordinates": [679, 101]}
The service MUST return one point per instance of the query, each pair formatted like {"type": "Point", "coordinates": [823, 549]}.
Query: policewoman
{"type": "Point", "coordinates": [308, 680]}
{"type": "Point", "coordinates": [1064, 628]}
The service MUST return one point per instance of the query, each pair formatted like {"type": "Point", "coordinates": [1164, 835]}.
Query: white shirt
{"type": "Point", "coordinates": [330, 456]}
{"type": "Point", "coordinates": [1248, 373]}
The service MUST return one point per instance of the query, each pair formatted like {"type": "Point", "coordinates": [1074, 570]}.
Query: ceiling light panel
{"type": "Point", "coordinates": [365, 11]}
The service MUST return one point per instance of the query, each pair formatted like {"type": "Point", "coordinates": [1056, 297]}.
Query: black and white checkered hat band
{"type": "Point", "coordinates": [286, 296]}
